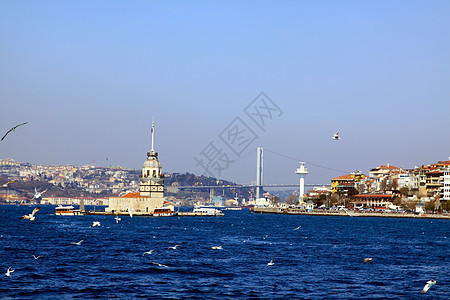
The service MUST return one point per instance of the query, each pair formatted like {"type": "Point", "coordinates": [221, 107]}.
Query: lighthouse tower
{"type": "Point", "coordinates": [302, 172]}
{"type": "Point", "coordinates": [152, 179]}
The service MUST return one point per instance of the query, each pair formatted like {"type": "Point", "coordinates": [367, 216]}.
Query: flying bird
{"type": "Point", "coordinates": [336, 136]}
{"type": "Point", "coordinates": [37, 194]}
{"type": "Point", "coordinates": [270, 263]}
{"type": "Point", "coordinates": [12, 129]}
{"type": "Point", "coordinates": [77, 243]}
{"type": "Point", "coordinates": [130, 211]}
{"type": "Point", "coordinates": [174, 247]}
{"type": "Point", "coordinates": [216, 247]}
{"type": "Point", "coordinates": [5, 185]}
{"type": "Point", "coordinates": [9, 271]}
{"type": "Point", "coordinates": [148, 252]}
{"type": "Point", "coordinates": [160, 265]}
{"type": "Point", "coordinates": [369, 259]}
{"type": "Point", "coordinates": [96, 223]}
{"type": "Point", "coordinates": [36, 257]}
{"type": "Point", "coordinates": [297, 227]}
{"type": "Point", "coordinates": [429, 284]}
{"type": "Point", "coordinates": [117, 218]}
{"type": "Point", "coordinates": [31, 216]}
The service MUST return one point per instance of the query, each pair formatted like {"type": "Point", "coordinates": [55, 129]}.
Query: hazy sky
{"type": "Point", "coordinates": [89, 75]}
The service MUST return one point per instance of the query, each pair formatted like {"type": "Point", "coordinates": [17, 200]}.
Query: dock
{"type": "Point", "coordinates": [347, 213]}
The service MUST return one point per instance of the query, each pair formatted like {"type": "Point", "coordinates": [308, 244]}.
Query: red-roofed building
{"type": "Point", "coordinates": [378, 201]}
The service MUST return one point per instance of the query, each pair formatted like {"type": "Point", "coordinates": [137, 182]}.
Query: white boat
{"type": "Point", "coordinates": [67, 211]}
{"type": "Point", "coordinates": [163, 212]}
{"type": "Point", "coordinates": [234, 208]}
{"type": "Point", "coordinates": [203, 211]}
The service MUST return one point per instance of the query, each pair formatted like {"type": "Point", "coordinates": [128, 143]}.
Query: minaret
{"type": "Point", "coordinates": [302, 172]}
{"type": "Point", "coordinates": [152, 180]}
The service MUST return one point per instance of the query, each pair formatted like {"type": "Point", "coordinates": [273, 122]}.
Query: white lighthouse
{"type": "Point", "coordinates": [302, 172]}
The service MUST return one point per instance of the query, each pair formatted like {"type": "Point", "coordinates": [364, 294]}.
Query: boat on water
{"type": "Point", "coordinates": [233, 208]}
{"type": "Point", "coordinates": [203, 212]}
{"type": "Point", "coordinates": [67, 211]}
{"type": "Point", "coordinates": [163, 212]}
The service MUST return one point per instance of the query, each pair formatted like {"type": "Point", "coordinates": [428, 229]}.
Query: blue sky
{"type": "Point", "coordinates": [89, 75]}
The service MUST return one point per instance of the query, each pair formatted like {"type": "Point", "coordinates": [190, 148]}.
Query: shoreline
{"type": "Point", "coordinates": [335, 213]}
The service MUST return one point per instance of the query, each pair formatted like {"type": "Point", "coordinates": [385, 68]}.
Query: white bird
{"type": "Point", "coordinates": [31, 216]}
{"type": "Point", "coordinates": [148, 252]}
{"type": "Point", "coordinates": [77, 243]}
{"type": "Point", "coordinates": [160, 265]}
{"type": "Point", "coordinates": [36, 257]}
{"type": "Point", "coordinates": [429, 284]}
{"type": "Point", "coordinates": [336, 136]}
{"type": "Point", "coordinates": [117, 218]}
{"type": "Point", "coordinates": [5, 185]}
{"type": "Point", "coordinates": [368, 259]}
{"type": "Point", "coordinates": [216, 247]}
{"type": "Point", "coordinates": [96, 223]}
{"type": "Point", "coordinates": [37, 194]}
{"type": "Point", "coordinates": [9, 271]}
{"type": "Point", "coordinates": [270, 263]}
{"type": "Point", "coordinates": [297, 227]}
{"type": "Point", "coordinates": [173, 247]}
{"type": "Point", "coordinates": [130, 211]}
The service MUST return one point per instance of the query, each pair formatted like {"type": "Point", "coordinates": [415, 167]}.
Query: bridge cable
{"type": "Point", "coordinates": [310, 163]}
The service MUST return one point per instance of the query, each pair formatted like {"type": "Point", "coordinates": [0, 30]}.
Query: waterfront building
{"type": "Point", "coordinates": [343, 183]}
{"type": "Point", "coordinates": [378, 201]}
{"type": "Point", "coordinates": [445, 187]}
{"type": "Point", "coordinates": [151, 188]}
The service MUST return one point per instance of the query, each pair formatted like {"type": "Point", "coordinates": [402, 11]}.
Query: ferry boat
{"type": "Point", "coordinates": [67, 211]}
{"type": "Point", "coordinates": [163, 212]}
{"type": "Point", "coordinates": [204, 212]}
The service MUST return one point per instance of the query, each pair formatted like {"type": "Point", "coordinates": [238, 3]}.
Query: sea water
{"type": "Point", "coordinates": [322, 259]}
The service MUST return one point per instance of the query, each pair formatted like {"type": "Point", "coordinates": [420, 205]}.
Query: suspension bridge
{"type": "Point", "coordinates": [259, 185]}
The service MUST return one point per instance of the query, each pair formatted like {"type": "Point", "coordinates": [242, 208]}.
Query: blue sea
{"type": "Point", "coordinates": [323, 259]}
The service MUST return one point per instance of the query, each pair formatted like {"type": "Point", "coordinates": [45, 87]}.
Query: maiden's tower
{"type": "Point", "coordinates": [151, 188]}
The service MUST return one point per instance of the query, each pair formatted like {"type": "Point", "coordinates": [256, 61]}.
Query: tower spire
{"type": "Point", "coordinates": [153, 135]}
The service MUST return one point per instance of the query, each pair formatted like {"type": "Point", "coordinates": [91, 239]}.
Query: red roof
{"type": "Point", "coordinates": [344, 177]}
{"type": "Point", "coordinates": [132, 195]}
{"type": "Point", "coordinates": [373, 196]}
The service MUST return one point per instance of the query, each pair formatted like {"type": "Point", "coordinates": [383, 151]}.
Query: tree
{"type": "Point", "coordinates": [404, 191]}
{"type": "Point", "coordinates": [430, 206]}
{"type": "Point", "coordinates": [445, 205]}
{"type": "Point", "coordinates": [291, 199]}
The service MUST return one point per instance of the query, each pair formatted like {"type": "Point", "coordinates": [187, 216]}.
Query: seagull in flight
{"type": "Point", "coordinates": [96, 223]}
{"type": "Point", "coordinates": [77, 243]}
{"type": "Point", "coordinates": [160, 265]}
{"type": "Point", "coordinates": [336, 136]}
{"type": "Point", "coordinates": [297, 227]}
{"type": "Point", "coordinates": [368, 259]}
{"type": "Point", "coordinates": [130, 211]}
{"type": "Point", "coordinates": [5, 185]}
{"type": "Point", "coordinates": [31, 216]}
{"type": "Point", "coordinates": [36, 257]}
{"type": "Point", "coordinates": [148, 252]}
{"type": "Point", "coordinates": [9, 271]}
{"type": "Point", "coordinates": [12, 129]}
{"type": "Point", "coordinates": [216, 247]}
{"type": "Point", "coordinates": [270, 263]}
{"type": "Point", "coordinates": [37, 194]}
{"type": "Point", "coordinates": [117, 218]}
{"type": "Point", "coordinates": [174, 247]}
{"type": "Point", "coordinates": [429, 284]}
